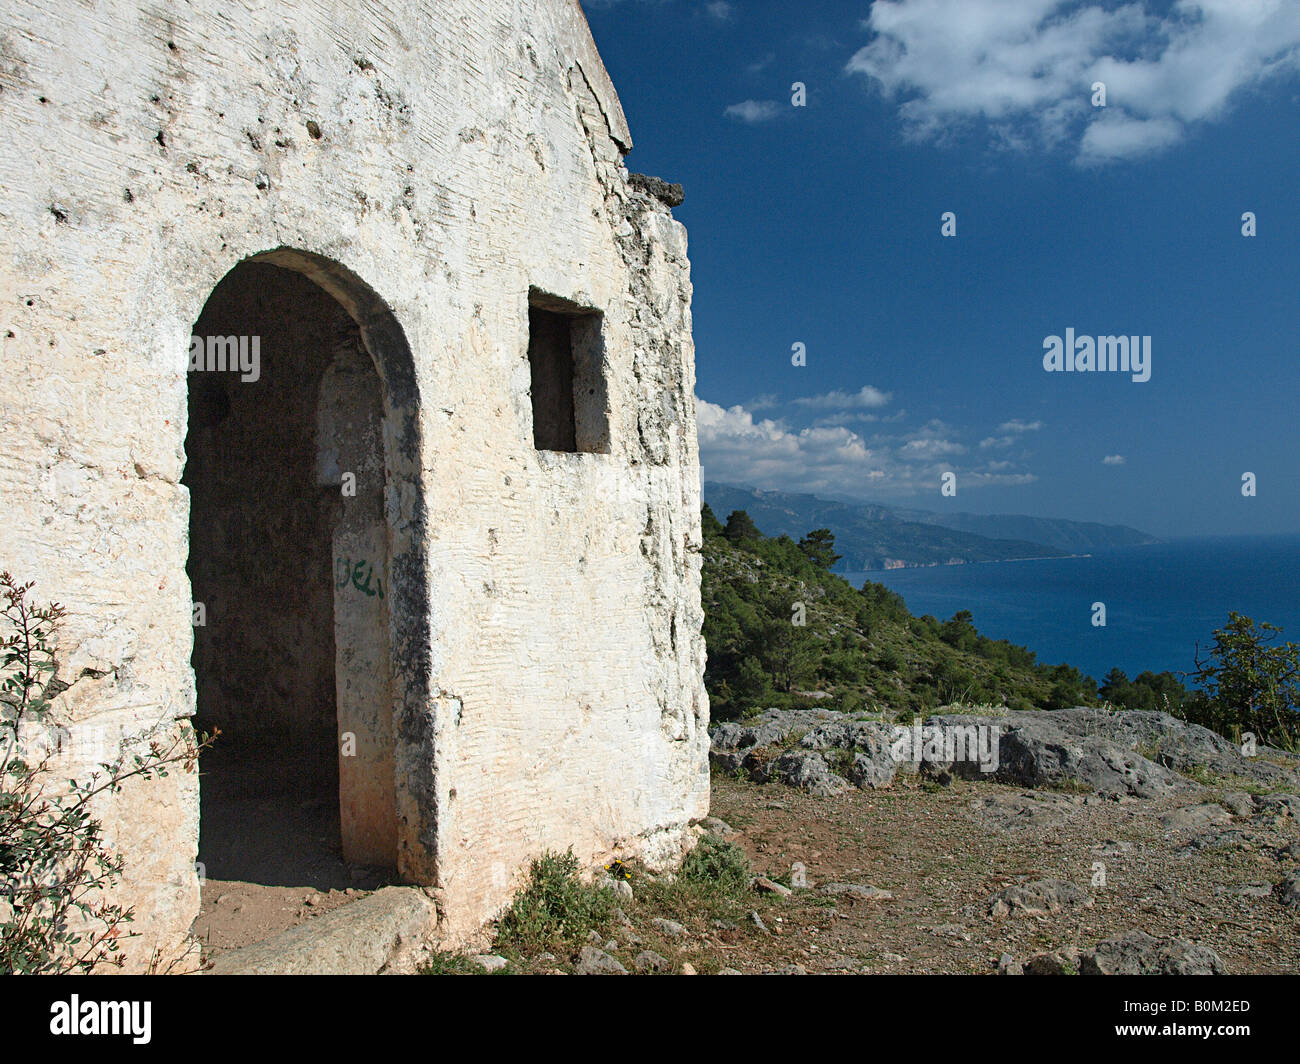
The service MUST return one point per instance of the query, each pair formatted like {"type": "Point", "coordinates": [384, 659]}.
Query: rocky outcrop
{"type": "Point", "coordinates": [1137, 953]}
{"type": "Point", "coordinates": [385, 932]}
{"type": "Point", "coordinates": [1132, 753]}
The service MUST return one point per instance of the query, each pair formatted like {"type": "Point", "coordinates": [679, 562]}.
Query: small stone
{"type": "Point", "coordinates": [1238, 803]}
{"type": "Point", "coordinates": [728, 971]}
{"type": "Point", "coordinates": [718, 827]}
{"type": "Point", "coordinates": [648, 961]}
{"type": "Point", "coordinates": [669, 928]}
{"type": "Point", "coordinates": [1008, 965]}
{"type": "Point", "coordinates": [546, 958]}
{"type": "Point", "coordinates": [611, 946]}
{"type": "Point", "coordinates": [489, 962]}
{"type": "Point", "coordinates": [789, 969]}
{"type": "Point", "coordinates": [621, 887]}
{"type": "Point", "coordinates": [688, 968]}
{"type": "Point", "coordinates": [592, 961]}
{"type": "Point", "coordinates": [767, 886]}
{"type": "Point", "coordinates": [757, 921]}
{"type": "Point", "coordinates": [1048, 964]}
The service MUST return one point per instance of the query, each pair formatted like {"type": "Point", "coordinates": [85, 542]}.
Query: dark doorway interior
{"type": "Point", "coordinates": [261, 566]}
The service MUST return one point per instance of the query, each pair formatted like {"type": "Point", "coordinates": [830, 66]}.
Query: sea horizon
{"type": "Point", "coordinates": [1161, 599]}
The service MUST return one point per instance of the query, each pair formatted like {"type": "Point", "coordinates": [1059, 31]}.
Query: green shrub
{"type": "Point", "coordinates": [556, 910]}
{"type": "Point", "coordinates": [57, 915]}
{"type": "Point", "coordinates": [717, 864]}
{"type": "Point", "coordinates": [441, 963]}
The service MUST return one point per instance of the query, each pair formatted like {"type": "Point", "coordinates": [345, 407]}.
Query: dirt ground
{"type": "Point", "coordinates": [271, 858]}
{"type": "Point", "coordinates": [942, 852]}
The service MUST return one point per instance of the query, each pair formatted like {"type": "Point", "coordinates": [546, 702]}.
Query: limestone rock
{"type": "Point", "coordinates": [593, 961]}
{"type": "Point", "coordinates": [1137, 953]}
{"type": "Point", "coordinates": [649, 961]}
{"type": "Point", "coordinates": [383, 932]}
{"type": "Point", "coordinates": [668, 928]}
{"type": "Point", "coordinates": [1038, 896]}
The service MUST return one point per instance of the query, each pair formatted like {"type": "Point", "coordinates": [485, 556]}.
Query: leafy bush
{"type": "Point", "coordinates": [717, 864]}
{"type": "Point", "coordinates": [58, 874]}
{"type": "Point", "coordinates": [556, 910]}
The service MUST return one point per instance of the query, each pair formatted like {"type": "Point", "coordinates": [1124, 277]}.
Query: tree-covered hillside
{"type": "Point", "coordinates": [784, 631]}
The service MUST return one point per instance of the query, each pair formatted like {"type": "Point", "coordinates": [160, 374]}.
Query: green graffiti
{"type": "Point", "coordinates": [360, 574]}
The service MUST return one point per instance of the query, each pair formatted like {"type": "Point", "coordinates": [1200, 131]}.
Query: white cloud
{"type": "Point", "coordinates": [719, 10]}
{"type": "Point", "coordinates": [1113, 459]}
{"type": "Point", "coordinates": [1026, 68]}
{"type": "Point", "coordinates": [930, 448]}
{"type": "Point", "coordinates": [738, 448]}
{"type": "Point", "coordinates": [996, 441]}
{"type": "Point", "coordinates": [866, 397]}
{"type": "Point", "coordinates": [1016, 425]}
{"type": "Point", "coordinates": [753, 111]}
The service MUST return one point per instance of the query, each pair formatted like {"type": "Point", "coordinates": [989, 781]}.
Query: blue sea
{"type": "Point", "coordinates": [1160, 599]}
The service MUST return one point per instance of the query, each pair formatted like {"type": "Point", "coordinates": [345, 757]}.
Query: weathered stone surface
{"type": "Point", "coordinates": [593, 961]}
{"type": "Point", "coordinates": [430, 170]}
{"type": "Point", "coordinates": [809, 772]}
{"type": "Point", "coordinates": [384, 932]}
{"type": "Point", "coordinates": [1038, 896]}
{"type": "Point", "coordinates": [1238, 803]}
{"type": "Point", "coordinates": [671, 194]}
{"type": "Point", "coordinates": [1137, 953]}
{"type": "Point", "coordinates": [1057, 963]}
{"type": "Point", "coordinates": [1288, 890]}
{"type": "Point", "coordinates": [1053, 747]}
{"type": "Point", "coordinates": [733, 742]}
{"type": "Point", "coordinates": [769, 886]}
{"type": "Point", "coordinates": [719, 827]}
{"type": "Point", "coordinates": [668, 928]}
{"type": "Point", "coordinates": [1196, 817]}
{"type": "Point", "coordinates": [648, 961]}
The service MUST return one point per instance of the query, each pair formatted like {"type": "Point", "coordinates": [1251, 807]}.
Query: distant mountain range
{"type": "Point", "coordinates": [871, 536]}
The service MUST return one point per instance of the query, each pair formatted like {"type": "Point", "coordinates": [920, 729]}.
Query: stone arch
{"type": "Point", "coordinates": [358, 378]}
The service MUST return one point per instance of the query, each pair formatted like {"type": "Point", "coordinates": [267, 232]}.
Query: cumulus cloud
{"type": "Point", "coordinates": [753, 112]}
{"type": "Point", "coordinates": [1113, 459]}
{"type": "Point", "coordinates": [1016, 425]}
{"type": "Point", "coordinates": [866, 397]}
{"type": "Point", "coordinates": [737, 447]}
{"type": "Point", "coordinates": [1026, 69]}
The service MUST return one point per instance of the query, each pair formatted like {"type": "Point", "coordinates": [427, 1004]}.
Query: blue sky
{"type": "Point", "coordinates": [821, 224]}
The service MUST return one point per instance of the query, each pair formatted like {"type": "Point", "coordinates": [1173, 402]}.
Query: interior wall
{"type": "Point", "coordinates": [261, 530]}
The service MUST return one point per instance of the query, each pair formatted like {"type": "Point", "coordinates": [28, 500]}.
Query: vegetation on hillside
{"type": "Point", "coordinates": [783, 631]}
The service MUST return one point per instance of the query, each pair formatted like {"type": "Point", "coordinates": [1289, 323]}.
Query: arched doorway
{"type": "Point", "coordinates": [302, 421]}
